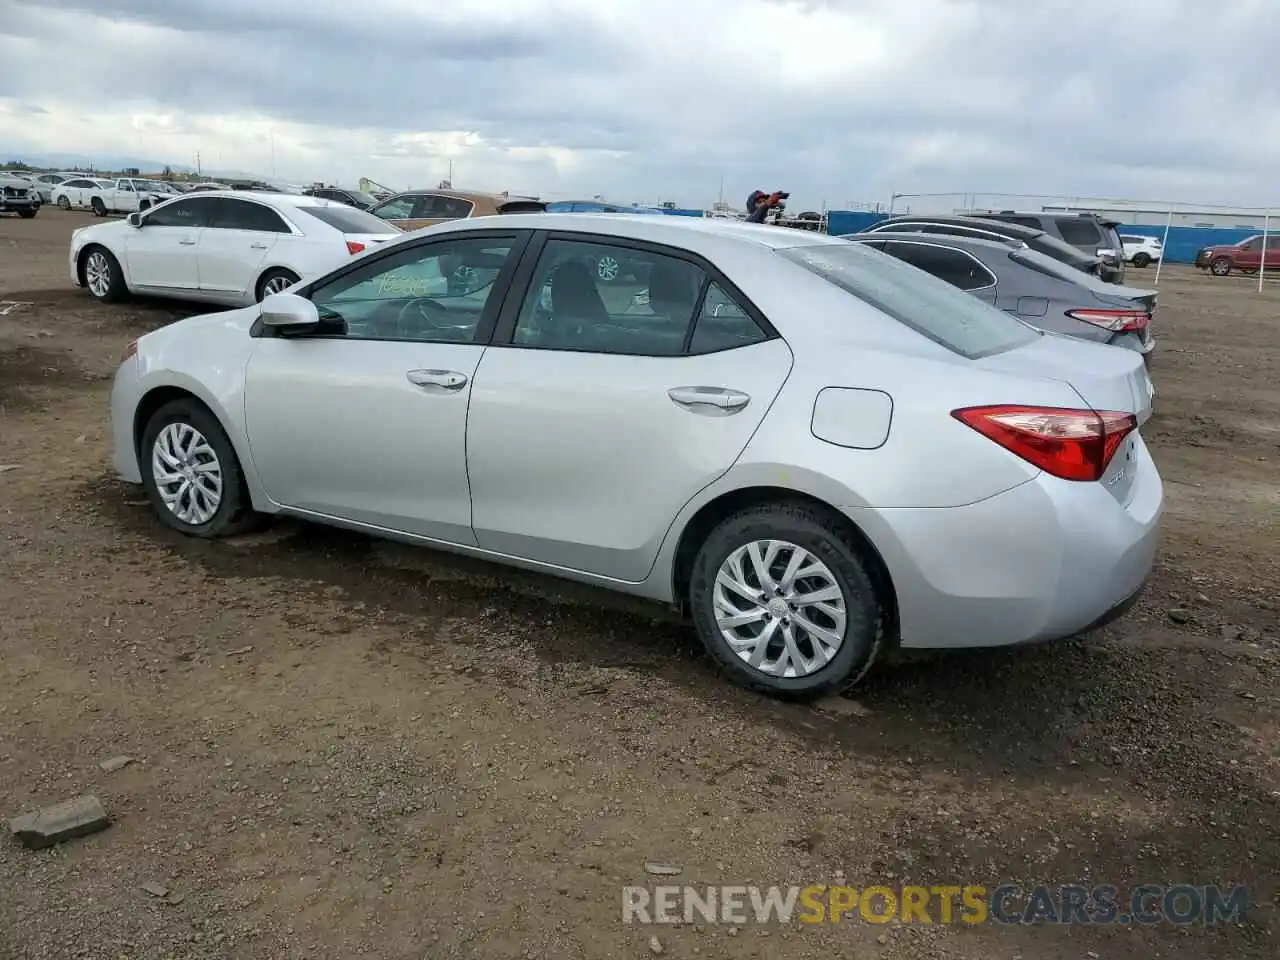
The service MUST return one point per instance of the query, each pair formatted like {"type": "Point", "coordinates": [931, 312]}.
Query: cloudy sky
{"type": "Point", "coordinates": [838, 101]}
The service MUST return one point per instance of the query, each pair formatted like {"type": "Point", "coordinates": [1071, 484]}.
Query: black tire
{"type": "Point", "coordinates": [234, 513]}
{"type": "Point", "coordinates": [144, 205]}
{"type": "Point", "coordinates": [821, 535]}
{"type": "Point", "coordinates": [1141, 261]}
{"type": "Point", "coordinates": [28, 214]}
{"type": "Point", "coordinates": [98, 207]}
{"type": "Point", "coordinates": [64, 203]}
{"type": "Point", "coordinates": [116, 289]}
{"type": "Point", "coordinates": [1220, 267]}
{"type": "Point", "coordinates": [274, 274]}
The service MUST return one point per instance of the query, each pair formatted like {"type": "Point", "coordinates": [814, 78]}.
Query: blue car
{"type": "Point", "coordinates": [608, 267]}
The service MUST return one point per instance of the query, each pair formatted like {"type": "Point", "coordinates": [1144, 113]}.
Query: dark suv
{"type": "Point", "coordinates": [1095, 235]}
{"type": "Point", "coordinates": [995, 230]}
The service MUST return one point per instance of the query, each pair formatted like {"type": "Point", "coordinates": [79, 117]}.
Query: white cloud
{"type": "Point", "coordinates": [834, 100]}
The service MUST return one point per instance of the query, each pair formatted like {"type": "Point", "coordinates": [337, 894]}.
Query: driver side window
{"type": "Point", "coordinates": [435, 293]}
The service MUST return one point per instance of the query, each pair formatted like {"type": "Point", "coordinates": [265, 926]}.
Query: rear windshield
{"type": "Point", "coordinates": [1056, 268]}
{"type": "Point", "coordinates": [934, 308]}
{"type": "Point", "coordinates": [349, 219]}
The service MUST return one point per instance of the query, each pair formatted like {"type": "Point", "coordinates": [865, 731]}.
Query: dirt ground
{"type": "Point", "coordinates": [345, 748]}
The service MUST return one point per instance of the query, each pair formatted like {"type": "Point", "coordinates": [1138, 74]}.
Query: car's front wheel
{"type": "Point", "coordinates": [784, 602]}
{"type": "Point", "coordinates": [98, 207]}
{"type": "Point", "coordinates": [191, 473]}
{"type": "Point", "coordinates": [64, 203]}
{"type": "Point", "coordinates": [1220, 267]}
{"type": "Point", "coordinates": [103, 276]}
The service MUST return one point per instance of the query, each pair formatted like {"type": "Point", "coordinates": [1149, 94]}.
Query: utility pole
{"type": "Point", "coordinates": [197, 163]}
{"type": "Point", "coordinates": [273, 152]}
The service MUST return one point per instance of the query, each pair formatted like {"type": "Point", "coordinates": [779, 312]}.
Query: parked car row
{"type": "Point", "coordinates": [1024, 271]}
{"type": "Point", "coordinates": [816, 449]}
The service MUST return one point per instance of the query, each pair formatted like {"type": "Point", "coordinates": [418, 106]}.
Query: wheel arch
{"type": "Point", "coordinates": [711, 513]}
{"type": "Point", "coordinates": [262, 275]}
{"type": "Point", "coordinates": [83, 256]}
{"type": "Point", "coordinates": [155, 397]}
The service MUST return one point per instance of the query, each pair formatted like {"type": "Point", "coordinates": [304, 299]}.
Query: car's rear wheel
{"type": "Point", "coordinates": [277, 280]}
{"type": "Point", "coordinates": [103, 276]}
{"type": "Point", "coordinates": [191, 473]}
{"type": "Point", "coordinates": [64, 203]}
{"type": "Point", "coordinates": [784, 602]}
{"type": "Point", "coordinates": [1141, 260]}
{"type": "Point", "coordinates": [1220, 267]}
{"type": "Point", "coordinates": [98, 207]}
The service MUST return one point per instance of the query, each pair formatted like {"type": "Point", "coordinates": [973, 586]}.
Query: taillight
{"type": "Point", "coordinates": [353, 247]}
{"type": "Point", "coordinates": [131, 350]}
{"type": "Point", "coordinates": [1118, 321]}
{"type": "Point", "coordinates": [1067, 443]}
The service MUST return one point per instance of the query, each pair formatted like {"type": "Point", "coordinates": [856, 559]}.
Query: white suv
{"type": "Point", "coordinates": [1141, 251]}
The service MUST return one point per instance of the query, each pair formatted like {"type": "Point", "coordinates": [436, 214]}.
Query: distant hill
{"type": "Point", "coordinates": [72, 161]}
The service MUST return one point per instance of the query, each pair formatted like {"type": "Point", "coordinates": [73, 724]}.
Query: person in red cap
{"type": "Point", "coordinates": [757, 206]}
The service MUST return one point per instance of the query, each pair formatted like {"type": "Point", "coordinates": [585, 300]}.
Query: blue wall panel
{"type": "Point", "coordinates": [840, 222]}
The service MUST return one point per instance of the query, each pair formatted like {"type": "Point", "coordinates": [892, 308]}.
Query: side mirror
{"type": "Point", "coordinates": [134, 219]}
{"type": "Point", "coordinates": [289, 310]}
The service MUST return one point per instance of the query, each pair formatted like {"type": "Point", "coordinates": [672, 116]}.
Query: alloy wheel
{"type": "Point", "coordinates": [608, 268]}
{"type": "Point", "coordinates": [97, 274]}
{"type": "Point", "coordinates": [187, 473]}
{"type": "Point", "coordinates": [277, 284]}
{"type": "Point", "coordinates": [779, 608]}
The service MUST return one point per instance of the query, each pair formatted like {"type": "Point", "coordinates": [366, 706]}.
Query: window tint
{"type": "Point", "coordinates": [243, 215]}
{"type": "Point", "coordinates": [933, 308]}
{"type": "Point", "coordinates": [80, 184]}
{"type": "Point", "coordinates": [576, 301]}
{"type": "Point", "coordinates": [722, 324]}
{"type": "Point", "coordinates": [434, 293]}
{"type": "Point", "coordinates": [957, 268]}
{"type": "Point", "coordinates": [348, 220]}
{"type": "Point", "coordinates": [450, 208]}
{"type": "Point", "coordinates": [1079, 232]}
{"type": "Point", "coordinates": [189, 212]}
{"type": "Point", "coordinates": [1253, 244]}
{"type": "Point", "coordinates": [397, 208]}
{"type": "Point", "coordinates": [1034, 260]}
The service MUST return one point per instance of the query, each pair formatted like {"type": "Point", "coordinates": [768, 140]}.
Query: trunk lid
{"type": "Point", "coordinates": [1105, 377]}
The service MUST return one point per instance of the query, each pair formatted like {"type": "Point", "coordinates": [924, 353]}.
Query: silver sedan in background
{"type": "Point", "coordinates": [813, 448]}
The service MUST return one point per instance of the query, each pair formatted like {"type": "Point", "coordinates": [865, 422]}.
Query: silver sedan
{"type": "Point", "coordinates": [814, 449]}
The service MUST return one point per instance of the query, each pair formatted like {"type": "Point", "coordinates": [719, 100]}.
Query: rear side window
{"type": "Point", "coordinates": [348, 219]}
{"type": "Point", "coordinates": [1032, 222]}
{"type": "Point", "coordinates": [243, 215]}
{"type": "Point", "coordinates": [1079, 232]}
{"type": "Point", "coordinates": [933, 308]}
{"type": "Point", "coordinates": [448, 208]}
{"type": "Point", "coordinates": [954, 266]}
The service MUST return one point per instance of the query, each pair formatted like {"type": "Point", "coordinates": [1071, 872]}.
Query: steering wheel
{"type": "Point", "coordinates": [425, 307]}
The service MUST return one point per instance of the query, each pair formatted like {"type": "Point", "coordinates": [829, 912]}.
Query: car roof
{"type": "Point", "coordinates": [1107, 221]}
{"type": "Point", "coordinates": [673, 230]}
{"type": "Point", "coordinates": [977, 223]}
{"type": "Point", "coordinates": [264, 196]}
{"type": "Point", "coordinates": [941, 239]}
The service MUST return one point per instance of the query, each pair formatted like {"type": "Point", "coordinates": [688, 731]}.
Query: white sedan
{"type": "Point", "coordinates": [226, 247]}
{"type": "Point", "coordinates": [76, 193]}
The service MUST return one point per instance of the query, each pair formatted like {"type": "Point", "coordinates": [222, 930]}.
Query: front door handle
{"type": "Point", "coordinates": [187, 243]}
{"type": "Point", "coordinates": [709, 398]}
{"type": "Point", "coordinates": [257, 246]}
{"type": "Point", "coordinates": [449, 379]}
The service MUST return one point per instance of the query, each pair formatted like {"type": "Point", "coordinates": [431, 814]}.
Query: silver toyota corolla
{"type": "Point", "coordinates": [814, 448]}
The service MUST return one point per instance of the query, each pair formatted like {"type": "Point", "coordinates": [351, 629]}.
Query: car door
{"type": "Point", "coordinates": [1249, 256]}
{"type": "Point", "coordinates": [365, 419]}
{"type": "Point", "coordinates": [161, 252]}
{"type": "Point", "coordinates": [958, 267]}
{"type": "Point", "coordinates": [1272, 252]}
{"type": "Point", "coordinates": [597, 415]}
{"type": "Point", "coordinates": [235, 245]}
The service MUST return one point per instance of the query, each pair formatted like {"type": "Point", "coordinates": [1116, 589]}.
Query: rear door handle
{"type": "Point", "coordinates": [257, 246]}
{"type": "Point", "coordinates": [449, 379]}
{"type": "Point", "coordinates": [187, 243]}
{"type": "Point", "coordinates": [709, 398]}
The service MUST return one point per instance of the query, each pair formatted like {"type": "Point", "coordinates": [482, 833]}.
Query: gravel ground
{"type": "Point", "coordinates": [342, 747]}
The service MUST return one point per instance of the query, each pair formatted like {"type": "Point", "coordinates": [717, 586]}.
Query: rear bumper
{"type": "Point", "coordinates": [1046, 560]}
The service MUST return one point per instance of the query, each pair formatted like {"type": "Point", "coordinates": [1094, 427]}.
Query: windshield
{"type": "Point", "coordinates": [349, 219]}
{"type": "Point", "coordinates": [933, 308]}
